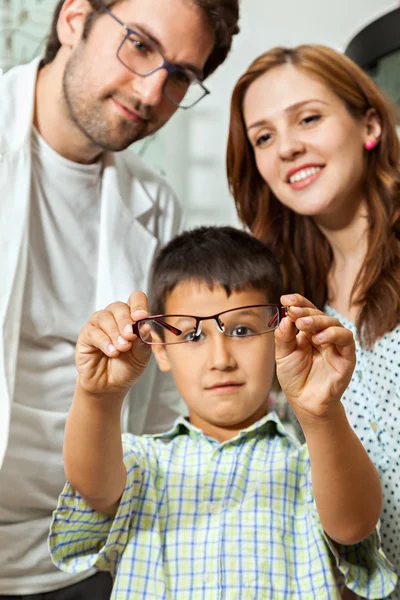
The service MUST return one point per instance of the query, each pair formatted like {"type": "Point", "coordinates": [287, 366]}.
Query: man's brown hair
{"type": "Point", "coordinates": [223, 16]}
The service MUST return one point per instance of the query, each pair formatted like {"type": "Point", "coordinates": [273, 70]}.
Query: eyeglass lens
{"type": "Point", "coordinates": [238, 323]}
{"type": "Point", "coordinates": [141, 57]}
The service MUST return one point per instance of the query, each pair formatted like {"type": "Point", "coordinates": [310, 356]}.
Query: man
{"type": "Point", "coordinates": [74, 208]}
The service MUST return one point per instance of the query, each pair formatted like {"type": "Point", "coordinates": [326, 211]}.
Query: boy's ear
{"type": "Point", "coordinates": [160, 353]}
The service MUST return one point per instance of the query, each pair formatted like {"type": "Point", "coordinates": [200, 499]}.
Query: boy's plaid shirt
{"type": "Point", "coordinates": [204, 520]}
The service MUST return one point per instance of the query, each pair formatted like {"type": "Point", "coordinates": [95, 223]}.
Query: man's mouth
{"type": "Point", "coordinates": [129, 113]}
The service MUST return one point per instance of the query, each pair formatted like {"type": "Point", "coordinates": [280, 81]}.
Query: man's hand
{"type": "Point", "coordinates": [109, 357]}
{"type": "Point", "coordinates": [315, 358]}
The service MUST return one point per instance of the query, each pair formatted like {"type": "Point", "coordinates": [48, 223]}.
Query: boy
{"type": "Point", "coordinates": [226, 504]}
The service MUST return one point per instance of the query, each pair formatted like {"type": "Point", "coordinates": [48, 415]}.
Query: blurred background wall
{"type": "Point", "coordinates": [190, 150]}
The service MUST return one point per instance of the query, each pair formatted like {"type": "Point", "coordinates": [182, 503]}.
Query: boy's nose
{"type": "Point", "coordinates": [221, 355]}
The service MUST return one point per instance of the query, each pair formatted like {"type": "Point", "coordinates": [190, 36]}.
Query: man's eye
{"type": "Point", "coordinates": [138, 45]}
{"type": "Point", "coordinates": [180, 77]}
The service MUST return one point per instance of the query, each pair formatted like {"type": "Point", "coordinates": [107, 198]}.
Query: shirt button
{"type": "Point", "coordinates": [359, 375]}
{"type": "Point", "coordinates": [374, 426]}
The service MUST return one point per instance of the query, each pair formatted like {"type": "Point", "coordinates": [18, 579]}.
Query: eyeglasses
{"type": "Point", "coordinates": [141, 56]}
{"type": "Point", "coordinates": [242, 322]}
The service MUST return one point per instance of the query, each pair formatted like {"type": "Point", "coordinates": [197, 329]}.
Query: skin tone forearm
{"type": "Point", "coordinates": [346, 485]}
{"type": "Point", "coordinates": [109, 358]}
{"type": "Point", "coordinates": [315, 358]}
{"type": "Point", "coordinates": [93, 450]}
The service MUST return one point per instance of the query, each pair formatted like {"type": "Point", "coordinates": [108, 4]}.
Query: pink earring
{"type": "Point", "coordinates": [370, 144]}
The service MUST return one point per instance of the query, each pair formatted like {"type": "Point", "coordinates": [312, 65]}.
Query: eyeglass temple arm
{"type": "Point", "coordinates": [167, 326]}
{"type": "Point", "coordinates": [282, 312]}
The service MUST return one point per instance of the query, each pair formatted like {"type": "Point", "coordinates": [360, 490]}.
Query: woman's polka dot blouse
{"type": "Point", "coordinates": [372, 403]}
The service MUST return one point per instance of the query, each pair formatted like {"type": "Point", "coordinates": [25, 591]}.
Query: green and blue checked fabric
{"type": "Point", "coordinates": [201, 520]}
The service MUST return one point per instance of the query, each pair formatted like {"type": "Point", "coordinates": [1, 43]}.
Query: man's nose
{"type": "Point", "coordinates": [150, 88]}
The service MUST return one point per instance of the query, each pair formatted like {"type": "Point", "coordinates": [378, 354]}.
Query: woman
{"type": "Point", "coordinates": [313, 164]}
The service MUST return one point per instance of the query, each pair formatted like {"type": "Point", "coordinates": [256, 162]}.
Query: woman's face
{"type": "Point", "coordinates": [308, 148]}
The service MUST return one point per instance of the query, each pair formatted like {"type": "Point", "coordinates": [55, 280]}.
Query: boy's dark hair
{"type": "Point", "coordinates": [216, 256]}
{"type": "Point", "coordinates": [223, 15]}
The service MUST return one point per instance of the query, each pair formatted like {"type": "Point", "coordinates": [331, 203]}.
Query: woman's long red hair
{"type": "Point", "coordinates": [304, 252]}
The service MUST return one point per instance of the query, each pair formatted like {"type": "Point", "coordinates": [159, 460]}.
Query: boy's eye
{"type": "Point", "coordinates": [191, 336]}
{"type": "Point", "coordinates": [241, 331]}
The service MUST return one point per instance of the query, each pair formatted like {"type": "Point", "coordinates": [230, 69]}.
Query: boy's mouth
{"type": "Point", "coordinates": [225, 386]}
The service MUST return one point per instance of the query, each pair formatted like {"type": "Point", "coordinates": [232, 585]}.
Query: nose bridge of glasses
{"type": "Point", "coordinates": [178, 85]}
{"type": "Point", "coordinates": [218, 323]}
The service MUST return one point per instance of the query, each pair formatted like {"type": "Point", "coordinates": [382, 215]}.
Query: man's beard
{"type": "Point", "coordinates": [89, 115]}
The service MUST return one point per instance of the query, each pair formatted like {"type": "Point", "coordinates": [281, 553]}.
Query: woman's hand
{"type": "Point", "coordinates": [109, 356]}
{"type": "Point", "coordinates": [315, 358]}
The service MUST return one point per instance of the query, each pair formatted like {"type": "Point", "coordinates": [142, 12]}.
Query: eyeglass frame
{"type": "Point", "coordinates": [167, 65]}
{"type": "Point", "coordinates": [282, 312]}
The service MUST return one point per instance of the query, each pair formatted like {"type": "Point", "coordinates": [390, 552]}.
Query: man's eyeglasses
{"type": "Point", "coordinates": [141, 56]}
{"type": "Point", "coordinates": [243, 322]}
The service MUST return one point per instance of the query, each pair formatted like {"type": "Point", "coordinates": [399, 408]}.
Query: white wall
{"type": "Point", "coordinates": [195, 140]}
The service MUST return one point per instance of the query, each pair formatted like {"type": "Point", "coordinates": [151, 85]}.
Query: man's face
{"type": "Point", "coordinates": [111, 105]}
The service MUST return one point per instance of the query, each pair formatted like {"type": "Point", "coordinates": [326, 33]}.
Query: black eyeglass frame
{"type": "Point", "coordinates": [167, 65]}
{"type": "Point", "coordinates": [282, 312]}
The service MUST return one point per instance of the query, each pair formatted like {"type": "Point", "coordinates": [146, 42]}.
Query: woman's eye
{"type": "Point", "coordinates": [262, 140]}
{"type": "Point", "coordinates": [311, 119]}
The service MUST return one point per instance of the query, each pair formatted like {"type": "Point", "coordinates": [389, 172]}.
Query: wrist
{"type": "Point", "coordinates": [334, 419]}
{"type": "Point", "coordinates": [111, 402]}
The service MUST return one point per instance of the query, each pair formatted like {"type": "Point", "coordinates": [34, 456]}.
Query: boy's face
{"type": "Point", "coordinates": [224, 381]}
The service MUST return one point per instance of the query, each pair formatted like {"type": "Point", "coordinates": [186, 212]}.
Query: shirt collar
{"type": "Point", "coordinates": [269, 423]}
